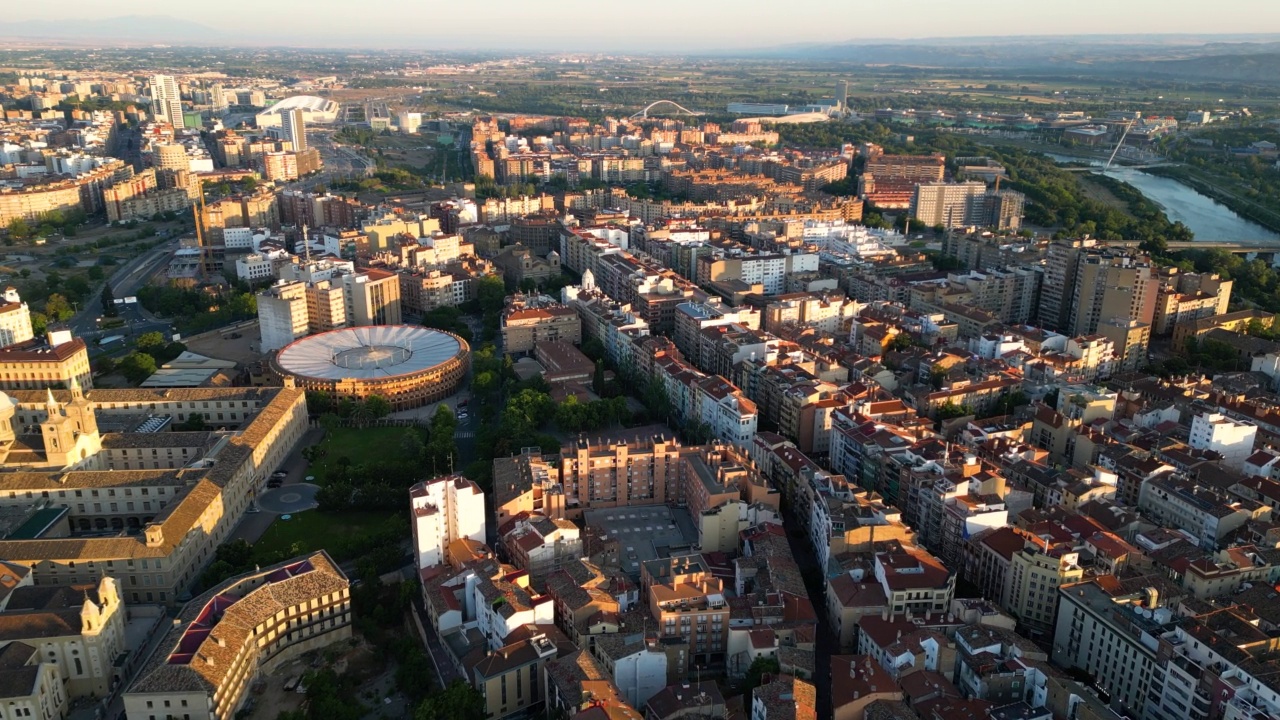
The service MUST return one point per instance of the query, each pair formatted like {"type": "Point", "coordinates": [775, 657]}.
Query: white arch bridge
{"type": "Point", "coordinates": [679, 109]}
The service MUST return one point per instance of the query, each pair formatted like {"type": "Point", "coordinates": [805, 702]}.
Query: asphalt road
{"type": "Point", "coordinates": [126, 281]}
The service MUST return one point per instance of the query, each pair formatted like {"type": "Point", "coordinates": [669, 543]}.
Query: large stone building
{"type": "Point", "coordinates": [181, 495]}
{"type": "Point", "coordinates": [59, 360]}
{"type": "Point", "coordinates": [78, 630]}
{"type": "Point", "coordinates": [237, 631]}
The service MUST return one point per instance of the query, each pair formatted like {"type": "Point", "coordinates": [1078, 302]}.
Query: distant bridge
{"type": "Point", "coordinates": [680, 109]}
{"type": "Point", "coordinates": [1100, 168]}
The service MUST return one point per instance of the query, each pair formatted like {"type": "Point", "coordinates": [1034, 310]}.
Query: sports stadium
{"type": "Point", "coordinates": [315, 111]}
{"type": "Point", "coordinates": [409, 365]}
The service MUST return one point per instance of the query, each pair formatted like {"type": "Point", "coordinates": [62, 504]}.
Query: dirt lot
{"type": "Point", "coordinates": [270, 698]}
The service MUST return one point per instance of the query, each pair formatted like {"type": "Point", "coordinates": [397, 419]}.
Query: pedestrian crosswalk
{"type": "Point", "coordinates": [463, 434]}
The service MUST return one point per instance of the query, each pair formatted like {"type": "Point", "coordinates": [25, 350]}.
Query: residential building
{"type": "Point", "coordinates": [856, 682]}
{"type": "Point", "coordinates": [725, 411]}
{"type": "Point", "coordinates": [1111, 635]}
{"type": "Point", "coordinates": [1035, 573]}
{"type": "Point", "coordinates": [242, 629]}
{"type": "Point", "coordinates": [510, 678]}
{"type": "Point", "coordinates": [15, 319]}
{"type": "Point", "coordinates": [634, 662]}
{"type": "Point", "coordinates": [294, 126]}
{"type": "Point", "coordinates": [524, 326]}
{"type": "Point", "coordinates": [166, 102]}
{"type": "Point", "coordinates": [1111, 285]}
{"type": "Point", "coordinates": [687, 603]}
{"type": "Point", "coordinates": [372, 297]}
{"type": "Point", "coordinates": [1232, 439]}
{"type": "Point", "coordinates": [950, 205]}
{"type": "Point", "coordinates": [445, 510]}
{"type": "Point", "coordinates": [915, 168]}
{"type": "Point", "coordinates": [282, 314]}
{"type": "Point", "coordinates": [1207, 514]}
{"type": "Point", "coordinates": [542, 545]}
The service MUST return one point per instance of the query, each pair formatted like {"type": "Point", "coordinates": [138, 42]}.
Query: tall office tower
{"type": "Point", "coordinates": [295, 129]}
{"type": "Point", "coordinates": [1059, 282]}
{"type": "Point", "coordinates": [1111, 286]}
{"type": "Point", "coordinates": [166, 102]}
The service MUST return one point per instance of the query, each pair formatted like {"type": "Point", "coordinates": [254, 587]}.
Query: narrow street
{"type": "Point", "coordinates": [824, 645]}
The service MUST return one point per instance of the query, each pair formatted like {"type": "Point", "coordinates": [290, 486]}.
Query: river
{"type": "Point", "coordinates": [1209, 219]}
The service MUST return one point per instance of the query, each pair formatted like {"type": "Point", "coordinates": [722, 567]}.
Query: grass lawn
{"type": "Point", "coordinates": [358, 445]}
{"type": "Point", "coordinates": [315, 530]}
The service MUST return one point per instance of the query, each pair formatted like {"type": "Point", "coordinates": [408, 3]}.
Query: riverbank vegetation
{"type": "Point", "coordinates": [1057, 199]}
{"type": "Point", "coordinates": [1232, 165]}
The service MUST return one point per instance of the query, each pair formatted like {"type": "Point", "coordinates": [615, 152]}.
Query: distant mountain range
{"type": "Point", "coordinates": [122, 30]}
{"type": "Point", "coordinates": [1246, 58]}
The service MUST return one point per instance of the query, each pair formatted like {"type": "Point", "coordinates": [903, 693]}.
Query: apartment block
{"type": "Point", "coordinates": [445, 510]}
{"type": "Point", "coordinates": [282, 314]}
{"type": "Point", "coordinates": [524, 326]}
{"type": "Point", "coordinates": [687, 603]}
{"type": "Point", "coordinates": [15, 319]}
{"type": "Point", "coordinates": [1111, 286]}
{"type": "Point", "coordinates": [1232, 439]}
{"type": "Point", "coordinates": [1111, 634]}
{"type": "Point", "coordinates": [1208, 514]}
{"type": "Point", "coordinates": [915, 168]}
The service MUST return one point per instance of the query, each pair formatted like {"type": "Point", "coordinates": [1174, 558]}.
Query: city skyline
{"type": "Point", "coordinates": [580, 27]}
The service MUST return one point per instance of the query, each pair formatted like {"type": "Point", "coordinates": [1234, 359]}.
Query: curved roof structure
{"type": "Point", "coordinates": [368, 353]}
{"type": "Point", "coordinates": [314, 110]}
{"type": "Point", "coordinates": [309, 103]}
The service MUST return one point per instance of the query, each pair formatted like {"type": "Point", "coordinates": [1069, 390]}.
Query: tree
{"type": "Point", "coordinates": [19, 229]}
{"type": "Point", "coordinates": [760, 667]}
{"type": "Point", "coordinates": [318, 402]}
{"type": "Point", "coordinates": [411, 445]}
{"type": "Point", "coordinates": [193, 423]}
{"type": "Point", "coordinates": [151, 343]}
{"type": "Point", "coordinates": [109, 302]}
{"type": "Point", "coordinates": [58, 308]}
{"type": "Point", "coordinates": [378, 406]}
{"type": "Point", "coordinates": [901, 341]}
{"type": "Point", "coordinates": [137, 367]}
{"type": "Point", "coordinates": [949, 410]}
{"type": "Point", "coordinates": [459, 701]}
{"type": "Point", "coordinates": [597, 379]}
{"type": "Point", "coordinates": [492, 293]}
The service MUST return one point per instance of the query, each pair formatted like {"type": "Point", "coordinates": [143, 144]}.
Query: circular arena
{"type": "Point", "coordinates": [410, 366]}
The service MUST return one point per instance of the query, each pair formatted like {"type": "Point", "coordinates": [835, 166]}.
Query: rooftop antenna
{"type": "Point", "coordinates": [306, 244]}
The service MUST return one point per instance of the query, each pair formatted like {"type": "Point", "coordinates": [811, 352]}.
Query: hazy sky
{"type": "Point", "coordinates": [679, 24]}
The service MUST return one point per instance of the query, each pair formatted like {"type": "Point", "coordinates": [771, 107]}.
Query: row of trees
{"type": "Point", "coordinates": [195, 311]}
{"type": "Point", "coordinates": [54, 221]}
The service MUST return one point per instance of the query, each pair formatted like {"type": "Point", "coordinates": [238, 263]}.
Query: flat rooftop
{"type": "Point", "coordinates": [644, 532]}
